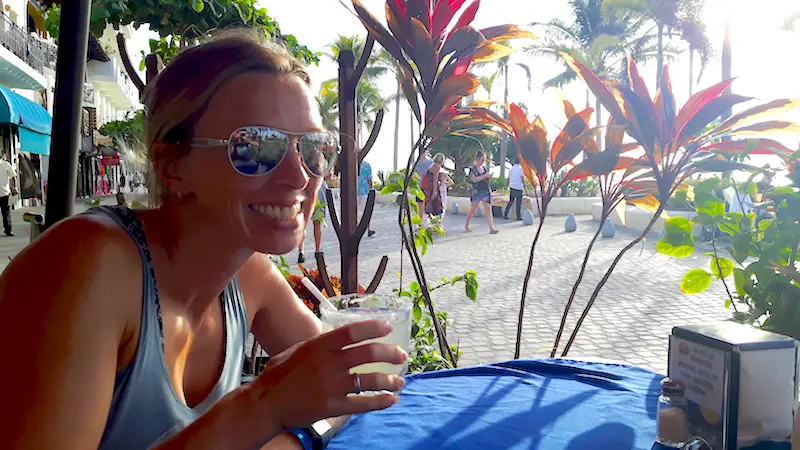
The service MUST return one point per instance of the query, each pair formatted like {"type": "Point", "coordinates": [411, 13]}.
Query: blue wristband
{"type": "Point", "coordinates": [305, 439]}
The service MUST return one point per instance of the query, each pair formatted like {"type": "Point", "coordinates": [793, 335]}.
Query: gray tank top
{"type": "Point", "coordinates": [145, 409]}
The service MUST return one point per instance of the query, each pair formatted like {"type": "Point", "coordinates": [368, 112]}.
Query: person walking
{"type": "Point", "coordinates": [516, 187]}
{"type": "Point", "coordinates": [8, 187]}
{"type": "Point", "coordinates": [318, 220]}
{"type": "Point", "coordinates": [444, 183]}
{"type": "Point", "coordinates": [480, 193]}
{"type": "Point", "coordinates": [423, 165]}
{"type": "Point", "coordinates": [430, 186]}
{"type": "Point", "coordinates": [364, 186]}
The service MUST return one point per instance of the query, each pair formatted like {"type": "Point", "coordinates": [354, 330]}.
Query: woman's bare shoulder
{"type": "Point", "coordinates": [81, 258]}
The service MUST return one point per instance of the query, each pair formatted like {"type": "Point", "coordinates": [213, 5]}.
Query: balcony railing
{"type": "Point", "coordinates": [36, 53]}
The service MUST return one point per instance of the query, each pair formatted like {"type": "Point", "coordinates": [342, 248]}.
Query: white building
{"type": "Point", "coordinates": [27, 83]}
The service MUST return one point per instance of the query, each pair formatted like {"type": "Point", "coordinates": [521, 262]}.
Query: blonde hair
{"type": "Point", "coordinates": [177, 98]}
{"type": "Point", "coordinates": [439, 158]}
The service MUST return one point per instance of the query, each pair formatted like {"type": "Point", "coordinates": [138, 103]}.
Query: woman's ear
{"type": "Point", "coordinates": [167, 164]}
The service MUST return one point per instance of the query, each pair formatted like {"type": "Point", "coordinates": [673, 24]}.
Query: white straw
{"type": "Point", "coordinates": [324, 302]}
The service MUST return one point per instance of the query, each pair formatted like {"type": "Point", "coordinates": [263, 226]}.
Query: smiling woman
{"type": "Point", "coordinates": [144, 316]}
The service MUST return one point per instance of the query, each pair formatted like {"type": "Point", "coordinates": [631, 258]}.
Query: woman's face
{"type": "Point", "coordinates": [265, 213]}
{"type": "Point", "coordinates": [479, 160]}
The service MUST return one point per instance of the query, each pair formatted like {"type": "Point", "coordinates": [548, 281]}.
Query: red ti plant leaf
{"type": "Point", "coordinates": [507, 32]}
{"type": "Point", "coordinates": [410, 91]}
{"type": "Point", "coordinates": [424, 54]}
{"type": "Point", "coordinates": [490, 51]}
{"type": "Point", "coordinates": [538, 133]}
{"type": "Point", "coordinates": [491, 118]}
{"type": "Point", "coordinates": [380, 33]}
{"type": "Point", "coordinates": [697, 102]}
{"type": "Point", "coordinates": [595, 84]}
{"type": "Point", "coordinates": [519, 122]}
{"type": "Point", "coordinates": [711, 111]}
{"type": "Point", "coordinates": [463, 39]}
{"type": "Point", "coordinates": [771, 126]}
{"type": "Point", "coordinates": [467, 16]}
{"type": "Point", "coordinates": [398, 24]}
{"type": "Point", "coordinates": [762, 147]}
{"type": "Point", "coordinates": [420, 10]}
{"type": "Point", "coordinates": [665, 105]}
{"type": "Point", "coordinates": [443, 14]}
{"type": "Point", "coordinates": [451, 91]}
{"type": "Point", "coordinates": [567, 145]}
{"type": "Point", "coordinates": [644, 200]}
{"type": "Point", "coordinates": [569, 108]}
{"type": "Point", "coordinates": [638, 86]}
{"type": "Point", "coordinates": [615, 133]}
{"type": "Point", "coordinates": [754, 114]}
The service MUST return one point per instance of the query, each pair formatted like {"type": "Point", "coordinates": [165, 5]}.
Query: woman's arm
{"type": "Point", "coordinates": [70, 310]}
{"type": "Point", "coordinates": [280, 318]}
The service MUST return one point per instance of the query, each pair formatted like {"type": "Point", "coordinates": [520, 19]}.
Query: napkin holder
{"type": "Point", "coordinates": [741, 382]}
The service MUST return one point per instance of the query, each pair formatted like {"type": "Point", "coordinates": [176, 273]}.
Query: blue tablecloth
{"type": "Point", "coordinates": [541, 404]}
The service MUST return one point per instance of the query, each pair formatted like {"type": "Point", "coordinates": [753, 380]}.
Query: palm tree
{"type": "Point", "coordinates": [596, 39]}
{"type": "Point", "coordinates": [502, 67]}
{"type": "Point", "coordinates": [328, 104]}
{"type": "Point", "coordinates": [368, 97]}
{"type": "Point", "coordinates": [487, 83]}
{"type": "Point", "coordinates": [681, 17]}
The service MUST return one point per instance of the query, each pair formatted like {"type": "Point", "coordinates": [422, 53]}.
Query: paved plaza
{"type": "Point", "coordinates": [630, 321]}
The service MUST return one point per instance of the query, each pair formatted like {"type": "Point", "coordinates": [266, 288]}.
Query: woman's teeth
{"type": "Point", "coordinates": [277, 212]}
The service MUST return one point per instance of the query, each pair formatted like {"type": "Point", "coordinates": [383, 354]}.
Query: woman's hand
{"type": "Point", "coordinates": [312, 380]}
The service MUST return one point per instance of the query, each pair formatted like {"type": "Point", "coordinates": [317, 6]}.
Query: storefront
{"type": "Point", "coordinates": [25, 133]}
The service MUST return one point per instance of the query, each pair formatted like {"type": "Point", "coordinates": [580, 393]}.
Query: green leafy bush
{"type": "Point", "coordinates": [753, 255]}
{"type": "Point", "coordinates": [424, 355]}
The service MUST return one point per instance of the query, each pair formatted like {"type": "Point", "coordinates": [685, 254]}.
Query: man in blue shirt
{"type": "Point", "coordinates": [364, 186]}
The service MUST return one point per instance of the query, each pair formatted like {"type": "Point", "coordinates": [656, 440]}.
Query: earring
{"type": "Point", "coordinates": [179, 195]}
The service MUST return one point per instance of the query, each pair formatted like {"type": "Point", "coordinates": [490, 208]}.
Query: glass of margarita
{"type": "Point", "coordinates": [357, 308]}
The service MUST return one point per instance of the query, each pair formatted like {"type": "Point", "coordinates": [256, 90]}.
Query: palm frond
{"type": "Point", "coordinates": [560, 80]}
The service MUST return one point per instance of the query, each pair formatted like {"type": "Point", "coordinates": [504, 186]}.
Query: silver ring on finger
{"type": "Point", "coordinates": [356, 383]}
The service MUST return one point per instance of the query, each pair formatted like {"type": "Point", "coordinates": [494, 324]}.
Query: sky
{"type": "Point", "coordinates": [765, 60]}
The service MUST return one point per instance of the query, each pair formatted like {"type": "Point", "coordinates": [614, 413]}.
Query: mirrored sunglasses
{"type": "Point", "coordinates": [257, 150]}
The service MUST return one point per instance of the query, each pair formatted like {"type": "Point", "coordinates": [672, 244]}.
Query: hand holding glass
{"type": "Point", "coordinates": [357, 308]}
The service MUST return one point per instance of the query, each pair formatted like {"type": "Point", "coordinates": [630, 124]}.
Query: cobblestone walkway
{"type": "Point", "coordinates": [630, 321]}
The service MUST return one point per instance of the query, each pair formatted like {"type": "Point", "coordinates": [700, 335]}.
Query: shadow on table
{"type": "Point", "coordinates": [623, 437]}
{"type": "Point", "coordinates": [527, 424]}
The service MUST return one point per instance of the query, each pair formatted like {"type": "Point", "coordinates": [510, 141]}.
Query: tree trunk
{"type": "Point", "coordinates": [504, 142]}
{"type": "Point", "coordinates": [396, 126]}
{"type": "Point", "coordinates": [727, 63]}
{"type": "Point", "coordinates": [660, 54]}
{"type": "Point", "coordinates": [458, 176]}
{"type": "Point", "coordinates": [691, 70]}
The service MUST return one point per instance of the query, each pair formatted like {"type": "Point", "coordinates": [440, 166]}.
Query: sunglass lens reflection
{"type": "Point", "coordinates": [319, 152]}
{"type": "Point", "coordinates": [255, 150]}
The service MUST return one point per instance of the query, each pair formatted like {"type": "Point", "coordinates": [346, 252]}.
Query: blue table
{"type": "Point", "coordinates": [542, 405]}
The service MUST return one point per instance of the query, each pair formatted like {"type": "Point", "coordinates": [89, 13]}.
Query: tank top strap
{"type": "Point", "coordinates": [127, 219]}
{"type": "Point", "coordinates": [236, 314]}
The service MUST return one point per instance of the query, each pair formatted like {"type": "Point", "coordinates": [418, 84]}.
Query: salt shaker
{"type": "Point", "coordinates": [671, 423]}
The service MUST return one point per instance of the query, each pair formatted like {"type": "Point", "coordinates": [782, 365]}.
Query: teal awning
{"type": "Point", "coordinates": [33, 120]}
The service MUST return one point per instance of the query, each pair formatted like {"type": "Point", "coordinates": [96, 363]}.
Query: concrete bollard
{"type": "Point", "coordinates": [570, 224]}
{"type": "Point", "coordinates": [609, 230]}
{"type": "Point", "coordinates": [527, 217]}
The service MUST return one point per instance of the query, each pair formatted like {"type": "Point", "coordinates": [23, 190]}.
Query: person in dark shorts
{"type": "Point", "coordinates": [480, 193]}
